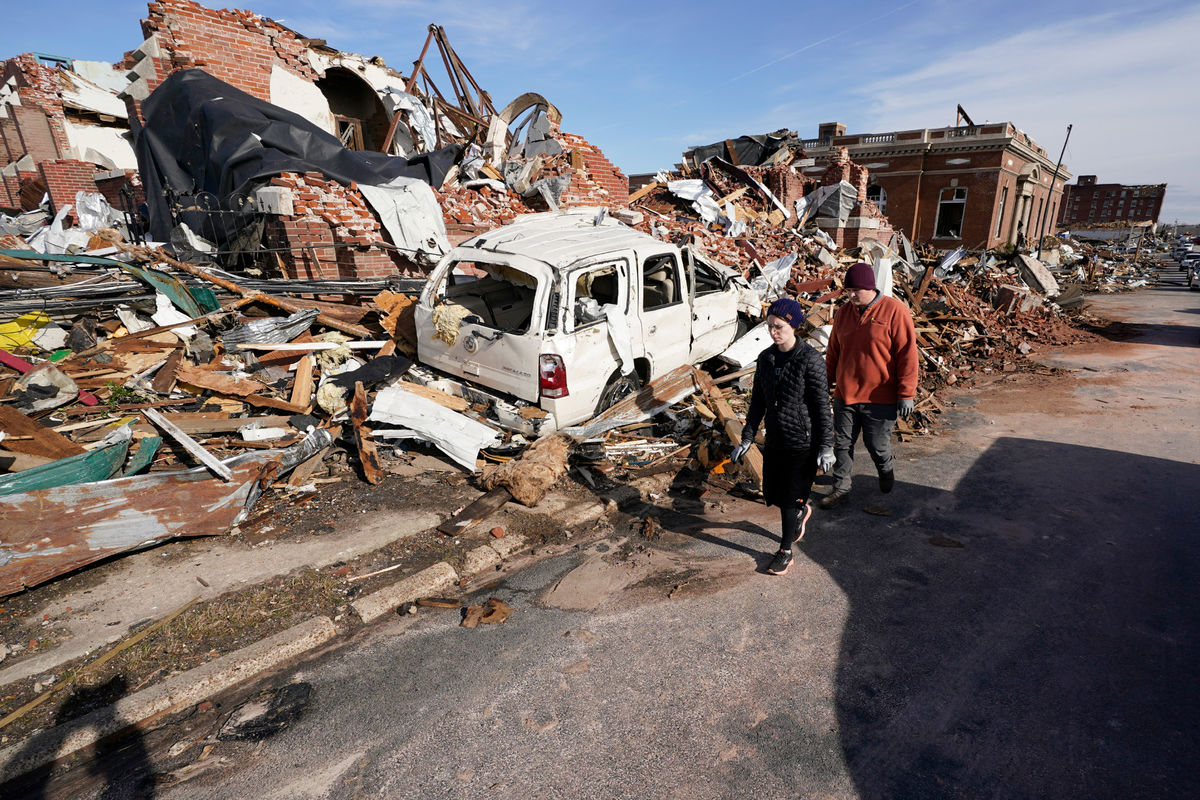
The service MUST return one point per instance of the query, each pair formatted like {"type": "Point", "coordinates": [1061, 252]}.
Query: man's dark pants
{"type": "Point", "coordinates": [875, 422]}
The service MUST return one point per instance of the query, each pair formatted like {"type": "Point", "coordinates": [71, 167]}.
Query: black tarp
{"type": "Point", "coordinates": [751, 151]}
{"type": "Point", "coordinates": [202, 136]}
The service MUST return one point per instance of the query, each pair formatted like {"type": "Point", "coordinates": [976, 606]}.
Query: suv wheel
{"type": "Point", "coordinates": [618, 388]}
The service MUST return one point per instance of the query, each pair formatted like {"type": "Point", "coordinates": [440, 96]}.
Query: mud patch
{"type": "Point", "coordinates": [635, 575]}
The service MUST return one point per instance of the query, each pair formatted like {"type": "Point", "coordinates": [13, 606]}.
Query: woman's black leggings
{"type": "Point", "coordinates": [793, 519]}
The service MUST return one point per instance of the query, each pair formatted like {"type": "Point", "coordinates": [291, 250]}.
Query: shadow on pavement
{"type": "Point", "coordinates": [1053, 655]}
{"type": "Point", "coordinates": [119, 766]}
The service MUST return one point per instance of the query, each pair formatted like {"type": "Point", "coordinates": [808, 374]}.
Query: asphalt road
{"type": "Point", "coordinates": [1022, 624]}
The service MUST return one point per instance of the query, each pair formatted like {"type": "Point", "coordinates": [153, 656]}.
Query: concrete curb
{"type": "Point", "coordinates": [175, 692]}
{"type": "Point", "coordinates": [426, 583]}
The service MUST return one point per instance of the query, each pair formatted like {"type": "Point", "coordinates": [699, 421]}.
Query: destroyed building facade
{"type": "Point", "coordinates": [974, 186]}
{"type": "Point", "coordinates": [1089, 203]}
{"type": "Point", "coordinates": [62, 130]}
{"type": "Point", "coordinates": [67, 129]}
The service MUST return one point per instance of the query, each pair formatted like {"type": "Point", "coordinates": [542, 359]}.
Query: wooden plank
{"type": "Point", "coordinates": [734, 195]}
{"type": "Point", "coordinates": [266, 401]}
{"type": "Point", "coordinates": [164, 379]}
{"type": "Point", "coordinates": [188, 443]}
{"type": "Point", "coordinates": [476, 512]}
{"type": "Point", "coordinates": [215, 381]}
{"type": "Point", "coordinates": [645, 190]}
{"type": "Point", "coordinates": [305, 469]}
{"type": "Point", "coordinates": [731, 152]}
{"type": "Point", "coordinates": [490, 171]}
{"type": "Point", "coordinates": [444, 399]}
{"type": "Point", "coordinates": [733, 376]}
{"type": "Point", "coordinates": [302, 385]}
{"type": "Point", "coordinates": [367, 454]}
{"type": "Point", "coordinates": [41, 442]}
{"type": "Point", "coordinates": [925, 279]}
{"type": "Point", "coordinates": [733, 426]}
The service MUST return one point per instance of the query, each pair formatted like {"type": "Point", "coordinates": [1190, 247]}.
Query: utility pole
{"type": "Point", "coordinates": [1041, 226]}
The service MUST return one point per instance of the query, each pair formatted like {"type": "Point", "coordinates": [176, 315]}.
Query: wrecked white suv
{"type": "Point", "coordinates": [559, 315]}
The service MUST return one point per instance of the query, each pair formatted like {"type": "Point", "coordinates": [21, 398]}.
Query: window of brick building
{"type": "Point", "coordinates": [952, 202]}
{"type": "Point", "coordinates": [878, 195]}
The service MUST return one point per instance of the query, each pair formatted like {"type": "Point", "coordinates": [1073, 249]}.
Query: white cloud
{"type": "Point", "coordinates": [1126, 84]}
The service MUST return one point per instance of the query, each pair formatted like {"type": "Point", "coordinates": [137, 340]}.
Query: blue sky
{"type": "Point", "coordinates": [646, 80]}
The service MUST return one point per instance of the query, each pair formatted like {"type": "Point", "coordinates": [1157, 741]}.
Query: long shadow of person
{"type": "Point", "coordinates": [120, 760]}
{"type": "Point", "coordinates": [1031, 634]}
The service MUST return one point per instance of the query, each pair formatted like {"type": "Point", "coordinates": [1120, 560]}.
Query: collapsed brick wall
{"type": "Point", "coordinates": [786, 184]}
{"type": "Point", "coordinates": [331, 234]}
{"type": "Point", "coordinates": [239, 47]}
{"type": "Point", "coordinates": [36, 127]}
{"type": "Point", "coordinates": [598, 182]}
{"type": "Point", "coordinates": [468, 212]}
{"type": "Point", "coordinates": [64, 178]}
{"type": "Point", "coordinates": [38, 89]}
{"type": "Point", "coordinates": [841, 168]}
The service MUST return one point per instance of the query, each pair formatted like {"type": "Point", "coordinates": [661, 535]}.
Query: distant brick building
{"type": "Point", "coordinates": [1091, 203]}
{"type": "Point", "coordinates": [972, 186]}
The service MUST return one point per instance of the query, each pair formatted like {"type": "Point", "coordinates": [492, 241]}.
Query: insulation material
{"type": "Point", "coordinates": [701, 196]}
{"type": "Point", "coordinates": [447, 318]}
{"type": "Point", "coordinates": [529, 477]}
{"type": "Point", "coordinates": [457, 436]}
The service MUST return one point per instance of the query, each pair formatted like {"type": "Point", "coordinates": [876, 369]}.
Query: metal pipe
{"type": "Point", "coordinates": [1041, 227]}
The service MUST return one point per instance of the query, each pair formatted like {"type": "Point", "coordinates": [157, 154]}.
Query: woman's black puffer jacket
{"type": "Point", "coordinates": [796, 405]}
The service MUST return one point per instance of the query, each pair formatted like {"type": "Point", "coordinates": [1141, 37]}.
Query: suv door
{"type": "Point", "coordinates": [666, 320]}
{"type": "Point", "coordinates": [591, 293]}
{"type": "Point", "coordinates": [714, 308]}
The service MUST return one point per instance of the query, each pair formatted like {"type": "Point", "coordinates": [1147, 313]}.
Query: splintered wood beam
{"type": "Point", "coordinates": [367, 454]}
{"type": "Point", "coordinates": [475, 513]}
{"type": "Point", "coordinates": [645, 190]}
{"type": "Point", "coordinates": [188, 443]}
{"type": "Point", "coordinates": [925, 279]}
{"type": "Point", "coordinates": [31, 438]}
{"type": "Point", "coordinates": [302, 386]}
{"type": "Point", "coordinates": [729, 419]}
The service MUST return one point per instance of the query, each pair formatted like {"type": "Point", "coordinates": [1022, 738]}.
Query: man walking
{"type": "Point", "coordinates": [872, 356]}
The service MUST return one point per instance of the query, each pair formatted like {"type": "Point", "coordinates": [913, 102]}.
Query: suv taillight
{"type": "Point", "coordinates": [552, 376]}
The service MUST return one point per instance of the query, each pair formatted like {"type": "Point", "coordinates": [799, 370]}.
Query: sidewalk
{"type": "Point", "coordinates": [109, 603]}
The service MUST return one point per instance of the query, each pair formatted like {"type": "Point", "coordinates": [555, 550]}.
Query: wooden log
{"type": "Point", "coordinates": [476, 512]}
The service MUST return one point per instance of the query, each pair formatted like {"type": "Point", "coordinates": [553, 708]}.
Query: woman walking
{"type": "Point", "coordinates": [792, 393]}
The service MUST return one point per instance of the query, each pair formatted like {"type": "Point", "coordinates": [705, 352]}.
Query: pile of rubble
{"type": "Point", "coordinates": [151, 390]}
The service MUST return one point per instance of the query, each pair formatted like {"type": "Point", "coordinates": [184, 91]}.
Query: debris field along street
{"type": "Point", "coordinates": [1013, 623]}
{"type": "Point", "coordinates": [291, 337]}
